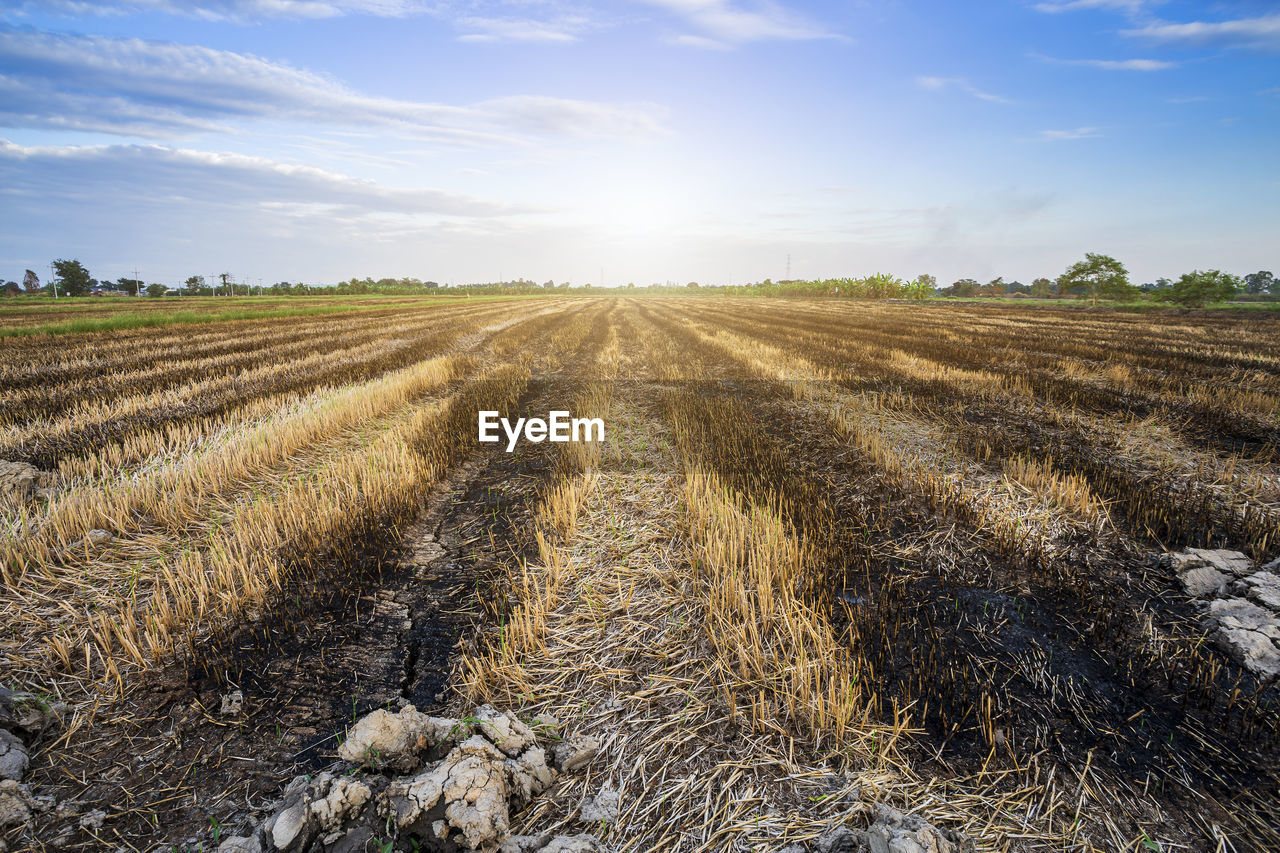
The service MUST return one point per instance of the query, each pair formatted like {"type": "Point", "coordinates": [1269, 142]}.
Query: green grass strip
{"type": "Point", "coordinates": [148, 319]}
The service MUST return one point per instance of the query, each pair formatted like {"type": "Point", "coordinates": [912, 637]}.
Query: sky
{"type": "Point", "coordinates": [616, 141]}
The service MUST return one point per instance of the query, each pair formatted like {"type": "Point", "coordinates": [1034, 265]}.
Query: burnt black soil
{"type": "Point", "coordinates": [1000, 660]}
{"type": "Point", "coordinates": [169, 768]}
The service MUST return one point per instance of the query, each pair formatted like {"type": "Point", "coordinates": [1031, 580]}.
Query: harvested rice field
{"type": "Point", "coordinates": [841, 576]}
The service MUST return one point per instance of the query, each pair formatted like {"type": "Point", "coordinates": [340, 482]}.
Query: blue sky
{"type": "Point", "coordinates": [653, 140]}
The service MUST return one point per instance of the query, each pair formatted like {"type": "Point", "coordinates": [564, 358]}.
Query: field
{"type": "Point", "coordinates": [831, 555]}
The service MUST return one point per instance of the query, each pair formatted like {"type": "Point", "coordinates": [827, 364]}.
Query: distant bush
{"type": "Point", "coordinates": [1198, 288]}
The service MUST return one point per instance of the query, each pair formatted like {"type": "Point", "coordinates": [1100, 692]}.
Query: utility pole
{"type": "Point", "coordinates": [788, 266]}
{"type": "Point", "coordinates": [53, 279]}
{"type": "Point", "coordinates": [137, 283]}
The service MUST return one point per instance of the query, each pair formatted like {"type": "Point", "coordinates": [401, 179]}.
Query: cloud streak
{"type": "Point", "coordinates": [959, 84]}
{"type": "Point", "coordinates": [1112, 64]}
{"type": "Point", "coordinates": [162, 90]}
{"type": "Point", "coordinates": [162, 175]}
{"type": "Point", "coordinates": [1068, 135]}
{"type": "Point", "coordinates": [1131, 7]}
{"type": "Point", "coordinates": [721, 24]}
{"type": "Point", "coordinates": [240, 11]}
{"type": "Point", "coordinates": [494, 30]}
{"type": "Point", "coordinates": [716, 24]}
{"type": "Point", "coordinates": [1261, 32]}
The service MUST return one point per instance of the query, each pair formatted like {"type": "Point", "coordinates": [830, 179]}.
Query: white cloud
{"type": "Point", "coordinates": [941, 84]}
{"type": "Point", "coordinates": [1129, 64]}
{"type": "Point", "coordinates": [718, 24]}
{"type": "Point", "coordinates": [163, 175]}
{"type": "Point", "coordinates": [1261, 32]}
{"type": "Point", "coordinates": [230, 10]}
{"type": "Point", "coordinates": [722, 23]}
{"type": "Point", "coordinates": [559, 31]}
{"type": "Point", "coordinates": [1077, 133]}
{"type": "Point", "coordinates": [1131, 7]}
{"type": "Point", "coordinates": [702, 42]}
{"type": "Point", "coordinates": [1119, 64]}
{"type": "Point", "coordinates": [160, 90]}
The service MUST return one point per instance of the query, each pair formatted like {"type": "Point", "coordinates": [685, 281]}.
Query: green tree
{"type": "Point", "coordinates": [920, 289]}
{"type": "Point", "coordinates": [11, 288]}
{"type": "Point", "coordinates": [73, 278]}
{"type": "Point", "coordinates": [1261, 281]}
{"type": "Point", "coordinates": [1042, 288]}
{"type": "Point", "coordinates": [1199, 288]}
{"type": "Point", "coordinates": [194, 284]}
{"type": "Point", "coordinates": [156, 290]}
{"type": "Point", "coordinates": [31, 282]}
{"type": "Point", "coordinates": [1100, 276]}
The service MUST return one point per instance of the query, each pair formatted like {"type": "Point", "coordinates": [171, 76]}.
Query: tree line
{"type": "Point", "coordinates": [72, 278]}
{"type": "Point", "coordinates": [1096, 277]}
{"type": "Point", "coordinates": [1103, 277]}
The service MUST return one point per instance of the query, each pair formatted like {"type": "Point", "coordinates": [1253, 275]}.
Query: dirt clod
{"type": "Point", "coordinates": [232, 704]}
{"type": "Point", "coordinates": [1204, 582]}
{"type": "Point", "coordinates": [314, 808]}
{"type": "Point", "coordinates": [838, 839]}
{"type": "Point", "coordinates": [894, 832]}
{"type": "Point", "coordinates": [603, 806]}
{"type": "Point", "coordinates": [16, 803]}
{"type": "Point", "coordinates": [18, 482]}
{"type": "Point", "coordinates": [13, 757]}
{"type": "Point", "coordinates": [1264, 588]}
{"type": "Point", "coordinates": [460, 801]}
{"type": "Point", "coordinates": [396, 741]}
{"type": "Point", "coordinates": [506, 732]}
{"type": "Point", "coordinates": [93, 539]}
{"type": "Point", "coordinates": [573, 753]}
{"type": "Point", "coordinates": [241, 844]}
{"type": "Point", "coordinates": [1230, 562]}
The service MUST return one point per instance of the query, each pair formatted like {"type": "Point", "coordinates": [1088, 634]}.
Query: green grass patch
{"type": "Point", "coordinates": [208, 313]}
